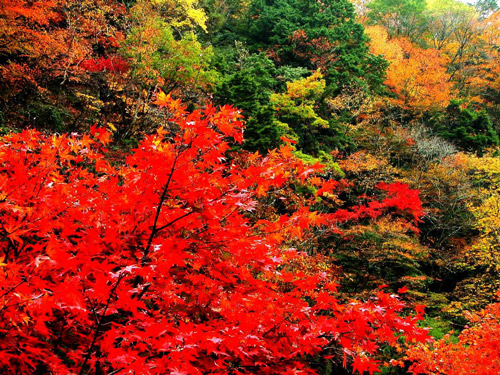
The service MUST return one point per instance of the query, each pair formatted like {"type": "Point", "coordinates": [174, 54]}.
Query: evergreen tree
{"type": "Point", "coordinates": [470, 130]}
{"type": "Point", "coordinates": [316, 35]}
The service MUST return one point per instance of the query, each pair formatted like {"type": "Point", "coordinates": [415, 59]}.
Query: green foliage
{"type": "Point", "coordinates": [287, 73]}
{"type": "Point", "coordinates": [376, 254]}
{"type": "Point", "coordinates": [158, 58]}
{"type": "Point", "coordinates": [299, 37]}
{"type": "Point", "coordinates": [223, 19]}
{"type": "Point", "coordinates": [331, 39]}
{"type": "Point", "coordinates": [486, 6]}
{"type": "Point", "coordinates": [3, 128]}
{"type": "Point", "coordinates": [442, 7]}
{"type": "Point", "coordinates": [404, 8]}
{"type": "Point", "coordinates": [47, 115]}
{"type": "Point", "coordinates": [262, 132]}
{"type": "Point", "coordinates": [438, 328]}
{"type": "Point", "coordinates": [469, 129]}
{"type": "Point", "coordinates": [400, 17]}
{"type": "Point", "coordinates": [249, 88]}
{"type": "Point", "coordinates": [300, 111]}
{"type": "Point", "coordinates": [297, 105]}
{"type": "Point", "coordinates": [326, 159]}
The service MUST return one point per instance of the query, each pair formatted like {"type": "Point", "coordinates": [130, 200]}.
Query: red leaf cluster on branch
{"type": "Point", "coordinates": [153, 266]}
{"type": "Point", "coordinates": [399, 199]}
{"type": "Point", "coordinates": [108, 64]}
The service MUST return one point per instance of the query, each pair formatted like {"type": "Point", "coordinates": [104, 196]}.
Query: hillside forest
{"type": "Point", "coordinates": [237, 187]}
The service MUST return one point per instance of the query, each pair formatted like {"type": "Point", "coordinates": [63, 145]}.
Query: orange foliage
{"type": "Point", "coordinates": [417, 76]}
{"type": "Point", "coordinates": [486, 74]}
{"type": "Point", "coordinates": [47, 40]}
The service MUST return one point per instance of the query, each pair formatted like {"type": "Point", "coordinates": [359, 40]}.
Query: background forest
{"type": "Point", "coordinates": [249, 187]}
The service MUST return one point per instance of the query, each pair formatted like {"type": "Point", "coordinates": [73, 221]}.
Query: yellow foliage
{"type": "Point", "coordinates": [486, 169]}
{"type": "Point", "coordinates": [312, 86]}
{"type": "Point", "coordinates": [300, 99]}
{"type": "Point", "coordinates": [182, 14]}
{"type": "Point", "coordinates": [483, 254]}
{"type": "Point", "coordinates": [362, 161]}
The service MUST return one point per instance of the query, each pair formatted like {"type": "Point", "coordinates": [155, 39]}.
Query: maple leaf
{"type": "Point", "coordinates": [101, 134]}
{"type": "Point", "coordinates": [288, 140]}
{"type": "Point", "coordinates": [166, 100]}
{"type": "Point", "coordinates": [403, 290]}
{"type": "Point", "coordinates": [362, 364]}
{"type": "Point", "coordinates": [176, 371]}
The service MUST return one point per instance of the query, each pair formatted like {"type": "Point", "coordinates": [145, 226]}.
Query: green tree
{"type": "Point", "coordinates": [302, 117]}
{"type": "Point", "coordinates": [249, 88]}
{"type": "Point", "coordinates": [158, 57]}
{"type": "Point", "coordinates": [314, 35]}
{"type": "Point", "coordinates": [400, 17]}
{"type": "Point", "coordinates": [486, 6]}
{"type": "Point", "coordinates": [469, 129]}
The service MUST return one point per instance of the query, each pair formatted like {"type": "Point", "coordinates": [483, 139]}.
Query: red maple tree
{"type": "Point", "coordinates": [153, 266]}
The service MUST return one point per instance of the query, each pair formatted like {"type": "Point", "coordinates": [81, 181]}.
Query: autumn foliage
{"type": "Point", "coordinates": [108, 64]}
{"type": "Point", "coordinates": [46, 41]}
{"type": "Point", "coordinates": [476, 352]}
{"type": "Point", "coordinates": [416, 75]}
{"type": "Point", "coordinates": [154, 266]}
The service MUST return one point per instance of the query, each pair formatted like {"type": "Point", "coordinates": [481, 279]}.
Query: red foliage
{"type": "Point", "coordinates": [476, 352]}
{"type": "Point", "coordinates": [109, 64]}
{"type": "Point", "coordinates": [403, 199]}
{"type": "Point", "coordinates": [153, 267]}
{"type": "Point", "coordinates": [400, 198]}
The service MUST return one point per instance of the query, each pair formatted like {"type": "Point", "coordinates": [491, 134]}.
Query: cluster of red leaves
{"type": "Point", "coordinates": [476, 352]}
{"type": "Point", "coordinates": [109, 64]}
{"type": "Point", "coordinates": [400, 199]}
{"type": "Point", "coordinates": [153, 267]}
